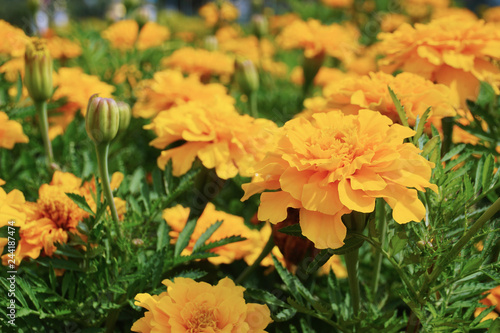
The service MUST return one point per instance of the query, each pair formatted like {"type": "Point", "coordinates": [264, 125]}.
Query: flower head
{"type": "Point", "coordinates": [169, 88]}
{"type": "Point", "coordinates": [62, 48]}
{"type": "Point", "coordinates": [216, 13]}
{"type": "Point", "coordinates": [38, 70]}
{"type": "Point", "coordinates": [151, 35]}
{"type": "Point", "coordinates": [190, 306]}
{"type": "Point", "coordinates": [215, 133]}
{"type": "Point", "coordinates": [11, 132]}
{"type": "Point", "coordinates": [125, 35]}
{"type": "Point", "coordinates": [336, 164]}
{"type": "Point", "coordinates": [11, 210]}
{"type": "Point", "coordinates": [12, 40]}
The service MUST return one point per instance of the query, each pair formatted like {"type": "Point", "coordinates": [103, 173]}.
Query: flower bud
{"type": "Point", "coordinates": [102, 119]}
{"type": "Point", "coordinates": [38, 70]}
{"type": "Point", "coordinates": [260, 26]}
{"type": "Point", "coordinates": [125, 115]}
{"type": "Point", "coordinates": [211, 43]}
{"type": "Point", "coordinates": [246, 76]}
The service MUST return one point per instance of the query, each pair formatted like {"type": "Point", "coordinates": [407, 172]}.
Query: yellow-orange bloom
{"type": "Point", "coordinates": [213, 13]}
{"type": "Point", "coordinates": [336, 164]}
{"type": "Point", "coordinates": [177, 217]}
{"type": "Point", "coordinates": [76, 87]}
{"type": "Point", "coordinates": [455, 12]}
{"type": "Point", "coordinates": [11, 132]}
{"type": "Point", "coordinates": [392, 21]}
{"type": "Point", "coordinates": [338, 3]}
{"type": "Point", "coordinates": [324, 77]}
{"type": "Point", "coordinates": [278, 22]}
{"type": "Point", "coordinates": [217, 134]}
{"type": "Point", "coordinates": [492, 14]}
{"type": "Point", "coordinates": [228, 32]}
{"type": "Point", "coordinates": [170, 88]}
{"type": "Point", "coordinates": [493, 298]}
{"type": "Point", "coordinates": [249, 47]}
{"type": "Point", "coordinates": [190, 306]}
{"type": "Point", "coordinates": [419, 9]}
{"type": "Point", "coordinates": [125, 35]}
{"type": "Point", "coordinates": [11, 212]}
{"type": "Point", "coordinates": [370, 92]}
{"type": "Point", "coordinates": [62, 48]}
{"type": "Point", "coordinates": [457, 53]}
{"type": "Point", "coordinates": [13, 68]}
{"type": "Point", "coordinates": [12, 40]}
{"type": "Point", "coordinates": [200, 62]}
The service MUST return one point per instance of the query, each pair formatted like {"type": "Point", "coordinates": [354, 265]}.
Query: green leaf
{"type": "Point", "coordinates": [479, 175]}
{"type": "Point", "coordinates": [163, 237]}
{"type": "Point", "coordinates": [454, 151]}
{"type": "Point", "coordinates": [398, 243]}
{"type": "Point", "coordinates": [59, 264]}
{"type": "Point", "coordinates": [28, 290]}
{"type": "Point", "coordinates": [206, 235]}
{"type": "Point", "coordinates": [487, 175]}
{"type": "Point", "coordinates": [399, 108]}
{"type": "Point", "coordinates": [486, 94]}
{"type": "Point", "coordinates": [321, 258]}
{"type": "Point", "coordinates": [158, 184]}
{"type": "Point", "coordinates": [192, 274]}
{"type": "Point", "coordinates": [80, 202]}
{"type": "Point", "coordinates": [265, 297]}
{"type": "Point", "coordinates": [290, 280]}
{"type": "Point", "coordinates": [284, 315]}
{"type": "Point", "coordinates": [420, 125]}
{"type": "Point", "coordinates": [196, 256]}
{"type": "Point", "coordinates": [221, 242]}
{"type": "Point", "coordinates": [469, 190]}
{"type": "Point", "coordinates": [293, 230]}
{"type": "Point", "coordinates": [184, 237]}
{"type": "Point", "coordinates": [350, 245]}
{"type": "Point", "coordinates": [430, 145]}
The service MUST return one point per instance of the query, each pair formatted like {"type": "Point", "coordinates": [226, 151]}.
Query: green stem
{"type": "Point", "coordinates": [43, 120]}
{"type": "Point", "coordinates": [102, 161]}
{"type": "Point", "coordinates": [382, 228]}
{"type": "Point", "coordinates": [447, 127]}
{"type": "Point", "coordinates": [413, 323]}
{"type": "Point", "coordinates": [250, 269]}
{"type": "Point", "coordinates": [252, 100]}
{"type": "Point", "coordinates": [351, 261]}
{"type": "Point", "coordinates": [455, 250]}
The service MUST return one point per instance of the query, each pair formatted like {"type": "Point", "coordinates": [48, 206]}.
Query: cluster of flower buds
{"type": "Point", "coordinates": [105, 118]}
{"type": "Point", "coordinates": [38, 70]}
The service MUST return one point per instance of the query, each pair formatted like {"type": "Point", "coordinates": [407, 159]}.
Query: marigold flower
{"type": "Point", "coordinates": [419, 9]}
{"type": "Point", "coordinates": [324, 77]}
{"type": "Point", "coordinates": [190, 306]}
{"type": "Point", "coordinates": [214, 13]}
{"type": "Point", "coordinates": [125, 35]}
{"type": "Point", "coordinates": [228, 32]}
{"type": "Point", "coordinates": [151, 35]}
{"type": "Point", "coordinates": [492, 14]}
{"type": "Point", "coordinates": [336, 164]}
{"type": "Point", "coordinates": [62, 48]}
{"type": "Point", "coordinates": [371, 92]}
{"type": "Point", "coordinates": [278, 22]}
{"type": "Point", "coordinates": [11, 209]}
{"type": "Point", "coordinates": [200, 62]}
{"type": "Point", "coordinates": [12, 40]}
{"type": "Point", "coordinates": [338, 3]}
{"type": "Point", "coordinates": [170, 88]}
{"type": "Point", "coordinates": [493, 298]}
{"type": "Point", "coordinates": [12, 69]}
{"type": "Point", "coordinates": [392, 21]}
{"type": "Point", "coordinates": [457, 53]}
{"type": "Point", "coordinates": [335, 40]}
{"type": "Point", "coordinates": [217, 134]}
{"type": "Point", "coordinates": [455, 12]}
{"type": "Point", "coordinates": [11, 132]}
{"type": "Point", "coordinates": [249, 47]}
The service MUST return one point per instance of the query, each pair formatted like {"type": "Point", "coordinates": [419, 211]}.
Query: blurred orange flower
{"type": "Point", "coordinates": [338, 3]}
{"type": "Point", "coordinates": [492, 14]}
{"type": "Point", "coordinates": [170, 88]}
{"type": "Point", "coordinates": [11, 210]}
{"type": "Point", "coordinates": [214, 13]}
{"type": "Point", "coordinates": [455, 12]}
{"type": "Point", "coordinates": [12, 40]}
{"type": "Point", "coordinates": [457, 53]}
{"type": "Point", "coordinates": [493, 298]}
{"type": "Point", "coordinates": [324, 77]}
{"type": "Point", "coordinates": [125, 35]}
{"type": "Point", "coordinates": [11, 132]}
{"type": "Point", "coordinates": [62, 48]}
{"type": "Point", "coordinates": [215, 133]}
{"type": "Point", "coordinates": [336, 164]}
{"type": "Point", "coordinates": [420, 9]}
{"type": "Point", "coordinates": [190, 306]}
{"type": "Point", "coordinates": [249, 47]}
{"type": "Point", "coordinates": [392, 21]}
{"type": "Point", "coordinates": [278, 22]}
{"type": "Point", "coordinates": [151, 35]}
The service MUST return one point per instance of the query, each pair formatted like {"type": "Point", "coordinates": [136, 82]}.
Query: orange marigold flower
{"type": "Point", "coordinates": [13, 68]}
{"type": "Point", "coordinates": [249, 47]}
{"type": "Point", "coordinates": [11, 210]}
{"type": "Point", "coordinates": [493, 298]}
{"type": "Point", "coordinates": [200, 62]}
{"type": "Point", "coordinates": [217, 134]}
{"type": "Point", "coordinates": [190, 306]}
{"type": "Point", "coordinates": [336, 164]}
{"type": "Point", "coordinates": [335, 40]}
{"type": "Point", "coordinates": [392, 21]}
{"type": "Point", "coordinates": [125, 35]}
{"type": "Point", "coordinates": [177, 217]}
{"type": "Point", "coordinates": [370, 92]}
{"type": "Point", "coordinates": [151, 35]}
{"type": "Point", "coordinates": [170, 88]}
{"type": "Point", "coordinates": [455, 12]}
{"type": "Point", "coordinates": [228, 32]}
{"type": "Point", "coordinates": [62, 48]}
{"type": "Point", "coordinates": [213, 13]}
{"type": "Point", "coordinates": [12, 40]}
{"type": "Point", "coordinates": [338, 3]}
{"type": "Point", "coordinates": [419, 9]}
{"type": "Point", "coordinates": [492, 14]}
{"type": "Point", "coordinates": [278, 22]}
{"type": "Point", "coordinates": [11, 132]}
{"type": "Point", "coordinates": [324, 77]}
{"type": "Point", "coordinates": [76, 87]}
{"type": "Point", "coordinates": [457, 53]}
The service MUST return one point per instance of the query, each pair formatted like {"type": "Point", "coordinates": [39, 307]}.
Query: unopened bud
{"type": "Point", "coordinates": [102, 119]}
{"type": "Point", "coordinates": [211, 43]}
{"type": "Point", "coordinates": [38, 70]}
{"type": "Point", "coordinates": [125, 115]}
{"type": "Point", "coordinates": [246, 76]}
{"type": "Point", "coordinates": [260, 26]}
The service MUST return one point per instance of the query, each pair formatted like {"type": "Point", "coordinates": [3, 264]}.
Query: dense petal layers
{"type": "Point", "coordinates": [334, 164]}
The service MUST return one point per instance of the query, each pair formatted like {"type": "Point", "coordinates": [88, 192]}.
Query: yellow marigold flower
{"type": "Point", "coordinates": [392, 21]}
{"type": "Point", "coordinates": [213, 13]}
{"type": "Point", "coordinates": [11, 209]}
{"type": "Point", "coordinates": [228, 32]}
{"type": "Point", "coordinates": [151, 35]}
{"type": "Point", "coordinates": [170, 88]}
{"type": "Point", "coordinates": [324, 77]}
{"type": "Point", "coordinates": [200, 62]}
{"type": "Point", "coordinates": [62, 48]}
{"type": "Point", "coordinates": [336, 164]}
{"type": "Point", "coordinates": [455, 12]}
{"type": "Point", "coordinates": [125, 35]}
{"type": "Point", "coordinates": [12, 40]}
{"type": "Point", "coordinates": [259, 243]}
{"type": "Point", "coordinates": [493, 298]}
{"type": "Point", "coordinates": [129, 73]}
{"type": "Point", "coordinates": [190, 306]}
{"type": "Point", "coordinates": [457, 53]}
{"type": "Point", "coordinates": [11, 132]}
{"type": "Point", "coordinates": [217, 134]}
{"type": "Point", "coordinates": [419, 9]}
{"type": "Point", "coordinates": [249, 47]}
{"type": "Point", "coordinates": [335, 40]}
{"type": "Point", "coordinates": [492, 14]}
{"type": "Point", "coordinates": [338, 3]}
{"type": "Point", "coordinates": [76, 87]}
{"type": "Point", "coordinates": [177, 217]}
{"type": "Point", "coordinates": [370, 92]}
{"type": "Point", "coordinates": [13, 68]}
{"type": "Point", "coordinates": [278, 22]}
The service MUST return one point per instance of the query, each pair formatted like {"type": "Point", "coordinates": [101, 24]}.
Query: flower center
{"type": "Point", "coordinates": [200, 320]}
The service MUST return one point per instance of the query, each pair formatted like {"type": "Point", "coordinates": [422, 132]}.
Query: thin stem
{"type": "Point", "coordinates": [102, 161]}
{"type": "Point", "coordinates": [252, 100]}
{"type": "Point", "coordinates": [43, 120]}
{"type": "Point", "coordinates": [382, 229]}
{"type": "Point", "coordinates": [413, 323]}
{"type": "Point", "coordinates": [250, 269]}
{"type": "Point", "coordinates": [351, 261]}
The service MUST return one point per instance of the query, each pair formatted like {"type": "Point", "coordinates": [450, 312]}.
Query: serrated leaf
{"type": "Point", "coordinates": [350, 245]}
{"type": "Point", "coordinates": [321, 258]}
{"type": "Point", "coordinates": [454, 151]}
{"type": "Point", "coordinates": [289, 279]}
{"type": "Point", "coordinates": [420, 125]}
{"type": "Point", "coordinates": [184, 237]}
{"type": "Point", "coordinates": [163, 239]}
{"type": "Point", "coordinates": [59, 264]}
{"type": "Point", "coordinates": [80, 202]}
{"type": "Point", "coordinates": [479, 175]}
{"type": "Point", "coordinates": [196, 256]}
{"type": "Point", "coordinates": [221, 242]}
{"type": "Point", "coordinates": [293, 230]}
{"type": "Point", "coordinates": [397, 243]}
{"type": "Point", "coordinates": [284, 315]}
{"type": "Point", "coordinates": [158, 186]}
{"type": "Point", "coordinates": [487, 175]}
{"type": "Point", "coordinates": [265, 297]}
{"type": "Point", "coordinates": [68, 251]}
{"type": "Point", "coordinates": [399, 108]}
{"type": "Point", "coordinates": [486, 94]}
{"type": "Point", "coordinates": [192, 274]}
{"type": "Point", "coordinates": [206, 235]}
{"type": "Point", "coordinates": [24, 286]}
{"type": "Point", "coordinates": [468, 189]}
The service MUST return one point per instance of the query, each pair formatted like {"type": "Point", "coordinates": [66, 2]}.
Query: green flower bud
{"type": "Point", "coordinates": [102, 120]}
{"type": "Point", "coordinates": [211, 43]}
{"type": "Point", "coordinates": [125, 115]}
{"type": "Point", "coordinates": [38, 70]}
{"type": "Point", "coordinates": [260, 26]}
{"type": "Point", "coordinates": [246, 75]}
